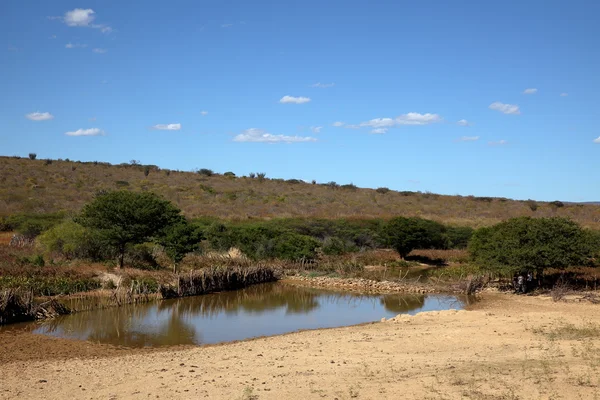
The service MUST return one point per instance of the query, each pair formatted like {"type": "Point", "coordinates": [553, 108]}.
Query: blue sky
{"type": "Point", "coordinates": [461, 97]}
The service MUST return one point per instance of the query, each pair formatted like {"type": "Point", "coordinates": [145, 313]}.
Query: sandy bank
{"type": "Point", "coordinates": [510, 347]}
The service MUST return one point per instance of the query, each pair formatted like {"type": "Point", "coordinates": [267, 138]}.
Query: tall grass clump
{"type": "Point", "coordinates": [216, 279]}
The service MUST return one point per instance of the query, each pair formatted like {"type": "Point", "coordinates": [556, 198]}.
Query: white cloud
{"type": "Point", "coordinates": [468, 139]}
{"type": "Point", "coordinates": [505, 108]}
{"type": "Point", "coordinates": [226, 25]}
{"type": "Point", "coordinates": [75, 45]}
{"type": "Point", "coordinates": [294, 100]}
{"type": "Point", "coordinates": [498, 143]}
{"type": "Point", "coordinates": [99, 51]}
{"type": "Point", "coordinates": [261, 136]}
{"type": "Point", "coordinates": [379, 123]}
{"type": "Point", "coordinates": [167, 127]}
{"type": "Point", "coordinates": [316, 129]}
{"type": "Point", "coordinates": [203, 113]}
{"type": "Point", "coordinates": [53, 37]}
{"type": "Point", "coordinates": [564, 94]}
{"type": "Point", "coordinates": [39, 116]}
{"type": "Point", "coordinates": [463, 122]}
{"type": "Point", "coordinates": [80, 17]}
{"type": "Point", "coordinates": [86, 132]}
{"type": "Point", "coordinates": [411, 118]}
{"type": "Point", "coordinates": [597, 140]}
{"type": "Point", "coordinates": [322, 85]}
{"type": "Point", "coordinates": [379, 131]}
{"type": "Point", "coordinates": [530, 91]}
{"type": "Point", "coordinates": [338, 124]}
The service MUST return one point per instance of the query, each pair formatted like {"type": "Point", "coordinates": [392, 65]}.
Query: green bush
{"type": "Point", "coordinates": [532, 244]}
{"type": "Point", "coordinates": [206, 172]}
{"type": "Point", "coordinates": [72, 240]}
{"type": "Point", "coordinates": [140, 256]}
{"type": "Point", "coordinates": [292, 246]}
{"type": "Point", "coordinates": [459, 236]}
{"type": "Point", "coordinates": [334, 246]}
{"type": "Point", "coordinates": [31, 225]}
{"type": "Point", "coordinates": [406, 234]}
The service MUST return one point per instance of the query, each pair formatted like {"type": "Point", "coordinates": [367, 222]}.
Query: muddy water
{"type": "Point", "coordinates": [260, 310]}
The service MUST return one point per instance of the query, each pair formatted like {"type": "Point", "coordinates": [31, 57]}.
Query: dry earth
{"type": "Point", "coordinates": [509, 347]}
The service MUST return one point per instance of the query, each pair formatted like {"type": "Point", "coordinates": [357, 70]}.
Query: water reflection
{"type": "Point", "coordinates": [259, 310]}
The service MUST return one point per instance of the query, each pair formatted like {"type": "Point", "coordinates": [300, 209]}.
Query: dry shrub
{"type": "Point", "coordinates": [560, 290]}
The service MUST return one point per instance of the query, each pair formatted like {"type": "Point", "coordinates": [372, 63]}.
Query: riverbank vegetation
{"type": "Point", "coordinates": [138, 239]}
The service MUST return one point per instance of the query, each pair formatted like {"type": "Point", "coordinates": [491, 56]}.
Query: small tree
{"type": "Point", "coordinates": [146, 170]}
{"type": "Point", "coordinates": [406, 234]}
{"type": "Point", "coordinates": [32, 156]}
{"type": "Point", "coordinates": [532, 204]}
{"type": "Point", "coordinates": [180, 239]}
{"type": "Point", "coordinates": [206, 172]}
{"type": "Point", "coordinates": [124, 218]}
{"type": "Point", "coordinates": [261, 176]}
{"type": "Point", "coordinates": [533, 244]}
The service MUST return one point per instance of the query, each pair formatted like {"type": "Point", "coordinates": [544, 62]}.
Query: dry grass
{"type": "Point", "coordinates": [32, 186]}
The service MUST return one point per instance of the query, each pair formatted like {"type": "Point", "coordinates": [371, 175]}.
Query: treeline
{"type": "Point", "coordinates": [133, 227]}
{"type": "Point", "coordinates": [127, 226]}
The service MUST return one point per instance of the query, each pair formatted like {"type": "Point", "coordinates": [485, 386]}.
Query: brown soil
{"type": "Point", "coordinates": [508, 347]}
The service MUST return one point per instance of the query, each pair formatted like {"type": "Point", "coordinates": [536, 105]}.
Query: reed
{"type": "Point", "coordinates": [19, 306]}
{"type": "Point", "coordinates": [216, 279]}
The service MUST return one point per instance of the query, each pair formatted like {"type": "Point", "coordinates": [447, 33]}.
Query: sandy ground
{"type": "Point", "coordinates": [509, 347]}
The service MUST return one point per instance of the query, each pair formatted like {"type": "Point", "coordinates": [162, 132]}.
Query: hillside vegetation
{"type": "Point", "coordinates": [45, 186]}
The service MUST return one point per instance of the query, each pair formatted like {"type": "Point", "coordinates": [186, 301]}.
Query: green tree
{"type": "Point", "coordinates": [533, 244]}
{"type": "Point", "coordinates": [180, 239]}
{"type": "Point", "coordinates": [406, 234]}
{"type": "Point", "coordinates": [124, 218]}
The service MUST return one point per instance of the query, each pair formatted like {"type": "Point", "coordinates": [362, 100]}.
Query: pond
{"type": "Point", "coordinates": [259, 310]}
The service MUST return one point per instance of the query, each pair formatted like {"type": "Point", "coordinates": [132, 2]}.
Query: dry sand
{"type": "Point", "coordinates": [500, 350]}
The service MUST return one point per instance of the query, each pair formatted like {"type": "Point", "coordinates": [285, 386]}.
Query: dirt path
{"type": "Point", "coordinates": [510, 347]}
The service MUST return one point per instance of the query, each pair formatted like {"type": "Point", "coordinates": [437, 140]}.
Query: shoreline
{"type": "Point", "coordinates": [505, 344]}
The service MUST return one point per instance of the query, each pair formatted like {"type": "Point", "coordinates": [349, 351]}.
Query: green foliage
{"type": "Point", "coordinates": [31, 225]}
{"type": "Point", "coordinates": [72, 240]}
{"type": "Point", "coordinates": [180, 239]}
{"type": "Point", "coordinates": [459, 236]}
{"type": "Point", "coordinates": [349, 186]}
{"type": "Point", "coordinates": [125, 217]}
{"type": "Point", "coordinates": [406, 234]}
{"type": "Point", "coordinates": [532, 244]}
{"type": "Point", "coordinates": [32, 156]}
{"type": "Point", "coordinates": [382, 190]}
{"type": "Point", "coordinates": [556, 204]}
{"type": "Point", "coordinates": [292, 246]}
{"type": "Point", "coordinates": [49, 286]}
{"type": "Point", "coordinates": [146, 170]}
{"type": "Point", "coordinates": [229, 174]}
{"type": "Point", "coordinates": [206, 172]}
{"type": "Point", "coordinates": [335, 246]}
{"type": "Point", "coordinates": [140, 256]}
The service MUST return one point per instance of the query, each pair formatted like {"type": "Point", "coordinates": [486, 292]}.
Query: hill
{"type": "Point", "coordinates": [41, 186]}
